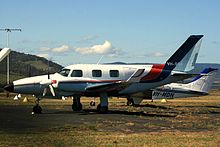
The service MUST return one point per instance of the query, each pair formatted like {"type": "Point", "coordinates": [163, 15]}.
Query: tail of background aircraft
{"type": "Point", "coordinates": [203, 83]}
{"type": "Point", "coordinates": [185, 57]}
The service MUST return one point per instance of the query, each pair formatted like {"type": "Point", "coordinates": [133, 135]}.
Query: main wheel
{"type": "Point", "coordinates": [76, 107]}
{"type": "Point", "coordinates": [102, 109]}
{"type": "Point", "coordinates": [130, 102]}
{"type": "Point", "coordinates": [92, 103]}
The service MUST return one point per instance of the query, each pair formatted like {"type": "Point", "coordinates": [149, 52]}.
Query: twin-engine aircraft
{"type": "Point", "coordinates": [198, 86]}
{"type": "Point", "coordinates": [104, 80]}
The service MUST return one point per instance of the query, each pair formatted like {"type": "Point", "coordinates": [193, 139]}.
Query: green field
{"type": "Point", "coordinates": [179, 122]}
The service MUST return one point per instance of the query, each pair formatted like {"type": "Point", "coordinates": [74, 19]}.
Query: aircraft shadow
{"type": "Point", "coordinates": [213, 107]}
{"type": "Point", "coordinates": [94, 112]}
{"type": "Point", "coordinates": [153, 106]}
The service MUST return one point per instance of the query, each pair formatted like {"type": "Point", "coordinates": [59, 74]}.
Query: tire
{"type": "Point", "coordinates": [37, 109]}
{"type": "Point", "coordinates": [129, 103]}
{"type": "Point", "coordinates": [92, 103]}
{"type": "Point", "coordinates": [75, 107]}
{"type": "Point", "coordinates": [103, 109]}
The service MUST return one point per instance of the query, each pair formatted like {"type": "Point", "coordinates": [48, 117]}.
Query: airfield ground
{"type": "Point", "coordinates": [179, 122]}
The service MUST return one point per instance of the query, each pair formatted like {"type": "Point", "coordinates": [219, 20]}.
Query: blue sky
{"type": "Point", "coordinates": [82, 31]}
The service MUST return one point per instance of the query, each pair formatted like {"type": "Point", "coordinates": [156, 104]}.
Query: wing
{"type": "Point", "coordinates": [106, 87]}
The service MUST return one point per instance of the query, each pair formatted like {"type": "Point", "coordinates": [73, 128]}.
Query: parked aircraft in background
{"type": "Point", "coordinates": [104, 80]}
{"type": "Point", "coordinates": [4, 53]}
{"type": "Point", "coordinates": [198, 86]}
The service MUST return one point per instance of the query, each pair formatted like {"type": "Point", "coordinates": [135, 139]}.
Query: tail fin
{"type": "Point", "coordinates": [204, 83]}
{"type": "Point", "coordinates": [185, 57]}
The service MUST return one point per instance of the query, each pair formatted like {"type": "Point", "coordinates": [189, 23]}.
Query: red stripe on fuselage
{"type": "Point", "coordinates": [154, 72]}
{"type": "Point", "coordinates": [90, 81]}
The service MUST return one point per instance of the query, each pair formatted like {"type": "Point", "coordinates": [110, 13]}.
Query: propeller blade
{"type": "Point", "coordinates": [45, 91]}
{"type": "Point", "coordinates": [52, 90]}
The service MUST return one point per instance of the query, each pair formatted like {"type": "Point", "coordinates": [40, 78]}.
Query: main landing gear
{"type": "Point", "coordinates": [37, 108]}
{"type": "Point", "coordinates": [103, 106]}
{"type": "Point", "coordinates": [76, 106]}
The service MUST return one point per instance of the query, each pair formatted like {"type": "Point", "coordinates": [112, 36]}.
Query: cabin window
{"type": "Point", "coordinates": [114, 73]}
{"type": "Point", "coordinates": [77, 73]}
{"type": "Point", "coordinates": [96, 73]}
{"type": "Point", "coordinates": [64, 72]}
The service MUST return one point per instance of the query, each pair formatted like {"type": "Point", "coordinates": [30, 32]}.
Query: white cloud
{"type": "Point", "coordinates": [105, 49]}
{"type": "Point", "coordinates": [60, 49]}
{"type": "Point", "coordinates": [43, 55]}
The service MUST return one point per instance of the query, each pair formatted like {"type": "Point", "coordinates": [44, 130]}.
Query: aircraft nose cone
{"type": "Point", "coordinates": [9, 87]}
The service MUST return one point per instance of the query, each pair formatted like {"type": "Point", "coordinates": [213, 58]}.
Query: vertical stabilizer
{"type": "Point", "coordinates": [204, 83]}
{"type": "Point", "coordinates": [185, 57]}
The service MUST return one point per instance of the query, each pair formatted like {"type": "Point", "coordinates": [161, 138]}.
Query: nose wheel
{"type": "Point", "coordinates": [37, 108]}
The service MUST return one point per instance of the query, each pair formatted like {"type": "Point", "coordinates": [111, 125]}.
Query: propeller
{"type": "Point", "coordinates": [49, 86]}
{"type": "Point", "coordinates": [49, 83]}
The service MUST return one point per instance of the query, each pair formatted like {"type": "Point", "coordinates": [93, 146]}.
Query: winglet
{"type": "Point", "coordinates": [136, 76]}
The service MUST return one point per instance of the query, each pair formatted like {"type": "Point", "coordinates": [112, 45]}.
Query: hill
{"type": "Point", "coordinates": [25, 65]}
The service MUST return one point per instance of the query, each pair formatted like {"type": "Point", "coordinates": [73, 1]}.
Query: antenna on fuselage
{"type": "Point", "coordinates": [48, 67]}
{"type": "Point", "coordinates": [100, 59]}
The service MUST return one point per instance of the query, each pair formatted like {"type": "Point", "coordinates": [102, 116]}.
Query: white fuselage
{"type": "Point", "coordinates": [77, 78]}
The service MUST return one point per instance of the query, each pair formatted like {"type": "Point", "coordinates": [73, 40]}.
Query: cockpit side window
{"type": "Point", "coordinates": [64, 72]}
{"type": "Point", "coordinates": [77, 73]}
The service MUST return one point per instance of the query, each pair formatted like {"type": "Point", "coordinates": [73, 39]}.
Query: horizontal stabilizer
{"type": "Point", "coordinates": [186, 75]}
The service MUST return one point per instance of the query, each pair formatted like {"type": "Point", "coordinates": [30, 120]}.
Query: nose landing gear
{"type": "Point", "coordinates": [37, 108]}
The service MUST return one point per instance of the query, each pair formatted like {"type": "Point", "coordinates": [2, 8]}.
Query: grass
{"type": "Point", "coordinates": [180, 122]}
{"type": "Point", "coordinates": [84, 136]}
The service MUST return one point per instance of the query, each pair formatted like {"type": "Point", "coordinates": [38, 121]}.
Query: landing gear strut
{"type": "Point", "coordinates": [37, 108]}
{"type": "Point", "coordinates": [76, 106]}
{"type": "Point", "coordinates": [103, 106]}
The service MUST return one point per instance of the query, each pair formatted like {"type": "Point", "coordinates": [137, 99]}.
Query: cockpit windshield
{"type": "Point", "coordinates": [64, 72]}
